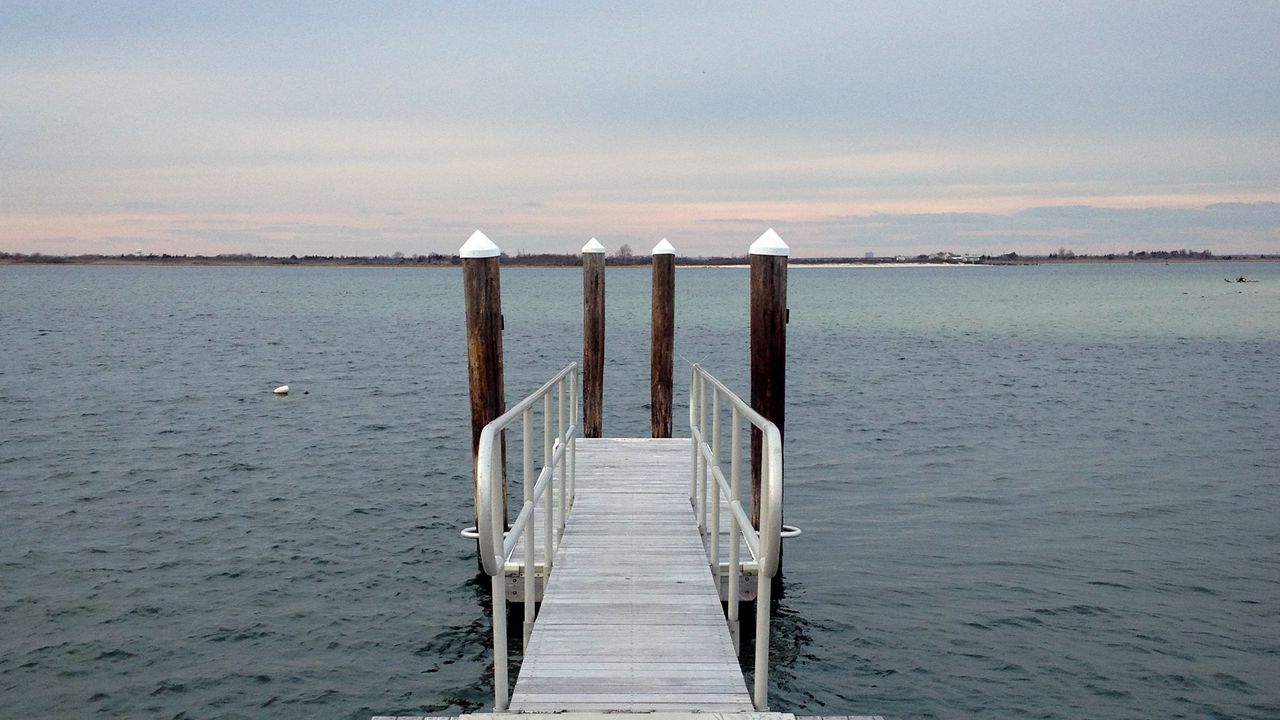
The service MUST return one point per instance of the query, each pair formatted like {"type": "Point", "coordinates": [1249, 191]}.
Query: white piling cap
{"type": "Point", "coordinates": [478, 246]}
{"type": "Point", "coordinates": [770, 244]}
{"type": "Point", "coordinates": [663, 248]}
{"type": "Point", "coordinates": [593, 246]}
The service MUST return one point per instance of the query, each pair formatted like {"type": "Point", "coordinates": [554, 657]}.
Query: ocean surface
{"type": "Point", "coordinates": [1042, 491]}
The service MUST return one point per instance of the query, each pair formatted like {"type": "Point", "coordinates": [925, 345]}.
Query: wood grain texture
{"type": "Point", "coordinates": [631, 618]}
{"type": "Point", "coordinates": [768, 356]}
{"type": "Point", "coordinates": [657, 715]}
{"type": "Point", "coordinates": [592, 344]}
{"type": "Point", "coordinates": [483, 297]}
{"type": "Point", "coordinates": [661, 345]}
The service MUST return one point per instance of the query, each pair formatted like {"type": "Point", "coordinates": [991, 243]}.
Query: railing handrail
{"type": "Point", "coordinates": [771, 499]}
{"type": "Point", "coordinates": [765, 544]}
{"type": "Point", "coordinates": [558, 452]}
{"type": "Point", "coordinates": [487, 474]}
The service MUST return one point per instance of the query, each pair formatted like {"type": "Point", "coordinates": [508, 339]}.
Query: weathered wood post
{"type": "Point", "coordinates": [592, 339]}
{"type": "Point", "coordinates": [480, 260]}
{"type": "Point", "coordinates": [768, 345]}
{"type": "Point", "coordinates": [662, 339]}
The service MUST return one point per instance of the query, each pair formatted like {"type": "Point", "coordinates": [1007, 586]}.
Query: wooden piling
{"type": "Point", "coordinates": [662, 339]}
{"type": "Point", "coordinates": [768, 345]}
{"type": "Point", "coordinates": [480, 261]}
{"type": "Point", "coordinates": [592, 339]}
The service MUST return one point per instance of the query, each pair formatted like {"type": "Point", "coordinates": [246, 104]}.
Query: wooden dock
{"type": "Point", "coordinates": [631, 619]}
{"type": "Point", "coordinates": [683, 715]}
{"type": "Point", "coordinates": [631, 623]}
{"type": "Point", "coordinates": [629, 544]}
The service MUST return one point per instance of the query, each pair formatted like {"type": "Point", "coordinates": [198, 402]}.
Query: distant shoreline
{"type": "Point", "coordinates": [442, 261]}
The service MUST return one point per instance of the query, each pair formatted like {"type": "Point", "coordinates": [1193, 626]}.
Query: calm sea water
{"type": "Point", "coordinates": [1028, 491]}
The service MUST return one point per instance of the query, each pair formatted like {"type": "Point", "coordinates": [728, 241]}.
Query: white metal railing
{"type": "Point", "coordinates": [765, 544]}
{"type": "Point", "coordinates": [496, 548]}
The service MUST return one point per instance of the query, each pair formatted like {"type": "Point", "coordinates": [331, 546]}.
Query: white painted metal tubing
{"type": "Point", "coordinates": [740, 514]}
{"type": "Point", "coordinates": [764, 593]}
{"type": "Point", "coordinates": [702, 464]}
{"type": "Point", "coordinates": [765, 543]}
{"type": "Point", "coordinates": [494, 512]}
{"type": "Point", "coordinates": [489, 474]}
{"type": "Point", "coordinates": [520, 524]}
{"type": "Point", "coordinates": [695, 439]}
{"type": "Point", "coordinates": [548, 513]}
{"type": "Point", "coordinates": [501, 692]}
{"type": "Point", "coordinates": [529, 555]}
{"type": "Point", "coordinates": [560, 426]}
{"type": "Point", "coordinates": [572, 433]}
{"type": "Point", "coordinates": [714, 460]}
{"type": "Point", "coordinates": [735, 525]}
{"type": "Point", "coordinates": [495, 550]}
{"type": "Point", "coordinates": [771, 473]}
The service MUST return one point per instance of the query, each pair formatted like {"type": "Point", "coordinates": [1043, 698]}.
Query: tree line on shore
{"type": "Point", "coordinates": [623, 256]}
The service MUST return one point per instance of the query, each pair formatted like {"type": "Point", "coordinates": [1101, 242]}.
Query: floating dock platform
{"type": "Point", "coordinates": [631, 619]}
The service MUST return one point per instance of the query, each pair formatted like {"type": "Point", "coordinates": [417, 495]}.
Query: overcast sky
{"type": "Point", "coordinates": [897, 127]}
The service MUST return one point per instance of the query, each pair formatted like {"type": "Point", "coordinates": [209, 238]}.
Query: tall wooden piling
{"type": "Point", "coordinates": [592, 339]}
{"type": "Point", "coordinates": [662, 339]}
{"type": "Point", "coordinates": [768, 345]}
{"type": "Point", "coordinates": [480, 260]}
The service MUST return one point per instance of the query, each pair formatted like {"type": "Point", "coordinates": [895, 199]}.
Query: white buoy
{"type": "Point", "coordinates": [282, 390]}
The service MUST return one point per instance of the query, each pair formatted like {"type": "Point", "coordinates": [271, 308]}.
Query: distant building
{"type": "Point", "coordinates": [870, 255]}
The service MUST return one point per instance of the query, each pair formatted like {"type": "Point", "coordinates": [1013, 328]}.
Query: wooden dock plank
{"type": "Point", "coordinates": [658, 714]}
{"type": "Point", "coordinates": [631, 618]}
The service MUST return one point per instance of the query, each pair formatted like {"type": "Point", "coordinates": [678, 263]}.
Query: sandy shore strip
{"type": "Point", "coordinates": [870, 266]}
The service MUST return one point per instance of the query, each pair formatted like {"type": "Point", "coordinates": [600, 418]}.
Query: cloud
{"type": "Point", "coordinates": [898, 125]}
{"type": "Point", "coordinates": [141, 206]}
{"type": "Point", "coordinates": [1221, 228]}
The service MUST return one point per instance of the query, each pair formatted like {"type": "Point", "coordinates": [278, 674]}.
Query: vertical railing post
{"type": "Point", "coordinates": [764, 599]}
{"type": "Point", "coordinates": [702, 458]}
{"type": "Point", "coordinates": [593, 338]}
{"type": "Point", "coordinates": [548, 509]}
{"type": "Point", "coordinates": [480, 261]}
{"type": "Point", "coordinates": [497, 587]}
{"type": "Point", "coordinates": [530, 554]}
{"type": "Point", "coordinates": [662, 339]}
{"type": "Point", "coordinates": [500, 686]}
{"type": "Point", "coordinates": [715, 487]}
{"type": "Point", "coordinates": [768, 346]}
{"type": "Point", "coordinates": [735, 493]}
{"type": "Point", "coordinates": [694, 429]}
{"type": "Point", "coordinates": [561, 426]}
{"type": "Point", "coordinates": [573, 443]}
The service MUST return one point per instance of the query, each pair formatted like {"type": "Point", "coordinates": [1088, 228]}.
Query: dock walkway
{"type": "Point", "coordinates": [631, 619]}
{"type": "Point", "coordinates": [630, 544]}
